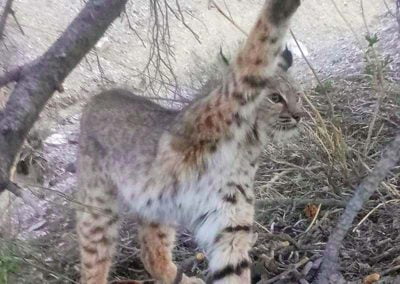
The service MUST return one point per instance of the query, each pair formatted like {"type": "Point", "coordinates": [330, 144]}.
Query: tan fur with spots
{"type": "Point", "coordinates": [193, 168]}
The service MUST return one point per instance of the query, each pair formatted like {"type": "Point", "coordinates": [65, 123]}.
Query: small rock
{"type": "Point", "coordinates": [39, 225]}
{"type": "Point", "coordinates": [73, 141]}
{"type": "Point", "coordinates": [71, 168]}
{"type": "Point", "coordinates": [56, 139]}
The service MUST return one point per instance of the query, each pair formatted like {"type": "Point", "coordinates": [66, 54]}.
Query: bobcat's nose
{"type": "Point", "coordinates": [297, 116]}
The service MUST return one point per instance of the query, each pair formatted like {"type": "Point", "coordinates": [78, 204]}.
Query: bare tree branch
{"type": "Point", "coordinates": [182, 19]}
{"type": "Point", "coordinates": [298, 202]}
{"type": "Point", "coordinates": [133, 29]}
{"type": "Point", "coordinates": [329, 270]}
{"type": "Point", "coordinates": [3, 19]}
{"type": "Point", "coordinates": [159, 65]}
{"type": "Point", "coordinates": [38, 82]}
{"type": "Point", "coordinates": [161, 54]}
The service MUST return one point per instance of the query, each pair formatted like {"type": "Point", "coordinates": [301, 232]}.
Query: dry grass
{"type": "Point", "coordinates": [332, 157]}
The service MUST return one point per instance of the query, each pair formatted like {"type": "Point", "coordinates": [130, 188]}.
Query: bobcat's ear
{"type": "Point", "coordinates": [286, 59]}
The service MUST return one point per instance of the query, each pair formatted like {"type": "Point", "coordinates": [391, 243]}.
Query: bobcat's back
{"type": "Point", "coordinates": [123, 128]}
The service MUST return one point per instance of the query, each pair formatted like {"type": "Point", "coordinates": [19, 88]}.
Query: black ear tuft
{"type": "Point", "coordinates": [286, 60]}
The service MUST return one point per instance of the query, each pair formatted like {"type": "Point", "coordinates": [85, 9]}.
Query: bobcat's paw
{"type": "Point", "coordinates": [281, 10]}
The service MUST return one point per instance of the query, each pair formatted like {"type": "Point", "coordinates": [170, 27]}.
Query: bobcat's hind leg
{"type": "Point", "coordinates": [97, 227]}
{"type": "Point", "coordinates": [157, 242]}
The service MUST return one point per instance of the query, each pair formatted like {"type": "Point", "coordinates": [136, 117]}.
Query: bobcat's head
{"type": "Point", "coordinates": [279, 113]}
{"type": "Point", "coordinates": [281, 109]}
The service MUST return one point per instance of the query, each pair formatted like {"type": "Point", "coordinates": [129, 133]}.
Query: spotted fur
{"type": "Point", "coordinates": [194, 168]}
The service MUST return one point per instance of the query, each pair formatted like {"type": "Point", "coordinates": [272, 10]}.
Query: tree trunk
{"type": "Point", "coordinates": [38, 81]}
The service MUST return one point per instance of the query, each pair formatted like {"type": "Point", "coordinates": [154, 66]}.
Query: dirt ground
{"type": "Point", "coordinates": [42, 245]}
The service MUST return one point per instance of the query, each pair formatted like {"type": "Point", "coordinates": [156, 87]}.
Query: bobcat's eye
{"type": "Point", "coordinates": [276, 98]}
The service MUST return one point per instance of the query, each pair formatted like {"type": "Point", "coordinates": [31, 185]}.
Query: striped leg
{"type": "Point", "coordinates": [156, 243]}
{"type": "Point", "coordinates": [97, 231]}
{"type": "Point", "coordinates": [228, 240]}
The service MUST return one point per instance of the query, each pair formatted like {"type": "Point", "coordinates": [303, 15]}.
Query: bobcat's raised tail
{"type": "Point", "coordinates": [193, 167]}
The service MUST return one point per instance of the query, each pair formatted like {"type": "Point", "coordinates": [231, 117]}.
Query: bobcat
{"type": "Point", "coordinates": [193, 167]}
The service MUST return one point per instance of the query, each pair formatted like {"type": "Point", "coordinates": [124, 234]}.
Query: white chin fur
{"type": "Point", "coordinates": [283, 136]}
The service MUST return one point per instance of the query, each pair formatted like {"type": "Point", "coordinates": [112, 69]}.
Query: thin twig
{"type": "Point", "coordinates": [274, 179]}
{"type": "Point", "coordinates": [133, 29]}
{"type": "Point", "coordinates": [12, 12]}
{"type": "Point", "coordinates": [182, 101]}
{"type": "Point", "coordinates": [77, 204]}
{"type": "Point", "coordinates": [388, 9]}
{"type": "Point", "coordinates": [103, 76]}
{"type": "Point", "coordinates": [393, 251]}
{"type": "Point", "coordinates": [390, 270]}
{"type": "Point", "coordinates": [378, 83]}
{"type": "Point", "coordinates": [372, 211]}
{"type": "Point", "coordinates": [227, 17]}
{"type": "Point", "coordinates": [3, 18]}
{"type": "Point", "coordinates": [227, 8]}
{"type": "Point", "coordinates": [44, 267]}
{"type": "Point", "coordinates": [299, 202]}
{"type": "Point", "coordinates": [25, 196]}
{"type": "Point", "coordinates": [161, 54]}
{"type": "Point", "coordinates": [182, 19]}
{"type": "Point", "coordinates": [348, 24]}
{"type": "Point", "coordinates": [263, 227]}
{"type": "Point", "coordinates": [363, 16]}
{"type": "Point", "coordinates": [331, 110]}
{"type": "Point", "coordinates": [286, 273]}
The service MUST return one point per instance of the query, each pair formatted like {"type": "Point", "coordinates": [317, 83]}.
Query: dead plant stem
{"type": "Point", "coordinates": [331, 110]}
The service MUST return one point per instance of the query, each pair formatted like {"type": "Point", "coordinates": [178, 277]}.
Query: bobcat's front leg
{"type": "Point", "coordinates": [157, 242]}
{"type": "Point", "coordinates": [256, 61]}
{"type": "Point", "coordinates": [227, 236]}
